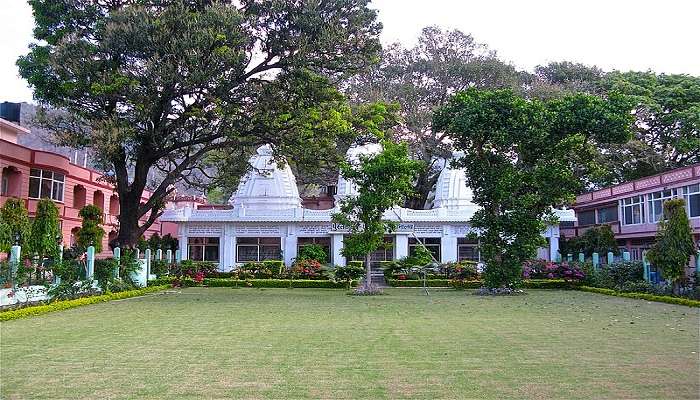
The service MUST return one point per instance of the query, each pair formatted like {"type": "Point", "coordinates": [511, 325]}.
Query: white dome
{"type": "Point", "coordinates": [346, 188]}
{"type": "Point", "coordinates": [451, 190]}
{"type": "Point", "coordinates": [267, 186]}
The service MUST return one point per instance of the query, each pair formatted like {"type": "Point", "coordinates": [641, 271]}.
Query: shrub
{"type": "Point", "coordinates": [312, 252]}
{"type": "Point", "coordinates": [347, 274]}
{"type": "Point", "coordinates": [64, 305]}
{"type": "Point", "coordinates": [159, 267]}
{"type": "Point", "coordinates": [543, 269]}
{"type": "Point", "coordinates": [262, 270]}
{"type": "Point", "coordinates": [616, 275]}
{"type": "Point", "coordinates": [90, 233]}
{"type": "Point", "coordinates": [274, 283]}
{"type": "Point", "coordinates": [307, 269]}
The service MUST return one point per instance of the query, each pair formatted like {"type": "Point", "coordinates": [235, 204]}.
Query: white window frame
{"type": "Point", "coordinates": [686, 190]}
{"type": "Point", "coordinates": [53, 183]}
{"type": "Point", "coordinates": [640, 201]}
{"type": "Point", "coordinates": [204, 246]}
{"type": "Point", "coordinates": [663, 196]}
{"type": "Point", "coordinates": [257, 246]}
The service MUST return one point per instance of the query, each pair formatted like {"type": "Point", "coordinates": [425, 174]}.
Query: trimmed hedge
{"type": "Point", "coordinates": [549, 284]}
{"type": "Point", "coordinates": [419, 283]}
{"type": "Point", "coordinates": [67, 304]}
{"type": "Point", "coordinates": [643, 296]}
{"type": "Point", "coordinates": [274, 283]}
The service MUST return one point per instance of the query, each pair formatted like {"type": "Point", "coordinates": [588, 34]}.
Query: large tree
{"type": "Point", "coordinates": [383, 181]}
{"type": "Point", "coordinates": [421, 79]}
{"type": "Point", "coordinates": [667, 128]}
{"type": "Point", "coordinates": [158, 85]}
{"type": "Point", "coordinates": [522, 158]}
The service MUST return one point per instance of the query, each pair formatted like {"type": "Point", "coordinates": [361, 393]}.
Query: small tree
{"type": "Point", "coordinates": [674, 243]}
{"type": "Point", "coordinates": [14, 221]}
{"type": "Point", "coordinates": [46, 231]}
{"type": "Point", "coordinates": [90, 233]}
{"type": "Point", "coordinates": [383, 181]}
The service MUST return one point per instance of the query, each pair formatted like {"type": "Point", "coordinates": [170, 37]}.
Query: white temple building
{"type": "Point", "coordinates": [267, 221]}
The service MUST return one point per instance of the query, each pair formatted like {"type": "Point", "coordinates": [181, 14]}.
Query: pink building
{"type": "Point", "coordinates": [633, 209]}
{"type": "Point", "coordinates": [30, 174]}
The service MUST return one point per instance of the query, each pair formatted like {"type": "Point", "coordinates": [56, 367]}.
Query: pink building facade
{"type": "Point", "coordinates": [30, 175]}
{"type": "Point", "coordinates": [634, 209]}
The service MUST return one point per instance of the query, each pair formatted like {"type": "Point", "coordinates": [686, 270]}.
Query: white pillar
{"type": "Point", "coordinates": [90, 261]}
{"type": "Point", "coordinates": [336, 247]}
{"type": "Point", "coordinates": [182, 246]}
{"type": "Point", "coordinates": [169, 256]}
{"type": "Point", "coordinates": [553, 243]}
{"type": "Point", "coordinates": [290, 249]}
{"type": "Point", "coordinates": [159, 254]}
{"type": "Point", "coordinates": [448, 249]}
{"type": "Point", "coordinates": [401, 246]}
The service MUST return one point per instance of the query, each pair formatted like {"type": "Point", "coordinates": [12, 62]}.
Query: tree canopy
{"type": "Point", "coordinates": [45, 234]}
{"type": "Point", "coordinates": [423, 78]}
{"type": "Point", "coordinates": [164, 85]}
{"type": "Point", "coordinates": [521, 159]}
{"type": "Point", "coordinates": [14, 224]}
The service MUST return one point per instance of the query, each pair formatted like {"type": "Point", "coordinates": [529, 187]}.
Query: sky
{"type": "Point", "coordinates": [662, 35]}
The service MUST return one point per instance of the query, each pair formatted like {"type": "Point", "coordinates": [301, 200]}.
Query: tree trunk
{"type": "Point", "coordinates": [129, 230]}
{"type": "Point", "coordinates": [368, 267]}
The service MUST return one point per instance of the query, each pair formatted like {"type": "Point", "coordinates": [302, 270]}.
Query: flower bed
{"type": "Point", "coordinates": [64, 305]}
{"type": "Point", "coordinates": [274, 283]}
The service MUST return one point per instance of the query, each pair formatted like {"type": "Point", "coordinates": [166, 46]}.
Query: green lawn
{"type": "Point", "coordinates": [306, 343]}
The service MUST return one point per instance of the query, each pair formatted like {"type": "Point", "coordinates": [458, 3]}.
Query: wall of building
{"type": "Point", "coordinates": [16, 162]}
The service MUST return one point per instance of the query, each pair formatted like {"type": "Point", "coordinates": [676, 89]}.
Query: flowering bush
{"type": "Point", "coordinates": [543, 269]}
{"type": "Point", "coordinates": [307, 269]}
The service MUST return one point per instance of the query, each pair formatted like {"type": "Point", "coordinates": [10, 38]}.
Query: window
{"type": "Point", "coordinates": [432, 244]}
{"type": "Point", "coordinates": [633, 210]}
{"type": "Point", "coordinates": [203, 248]}
{"type": "Point", "coordinates": [607, 214]}
{"type": "Point", "coordinates": [5, 185]}
{"type": "Point", "coordinates": [467, 250]}
{"type": "Point", "coordinates": [324, 242]}
{"type": "Point", "coordinates": [586, 217]}
{"type": "Point", "coordinates": [692, 200]}
{"type": "Point", "coordinates": [258, 249]}
{"type": "Point", "coordinates": [656, 204]}
{"type": "Point", "coordinates": [44, 183]}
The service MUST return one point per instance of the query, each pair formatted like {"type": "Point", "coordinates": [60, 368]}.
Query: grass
{"type": "Point", "coordinates": [314, 343]}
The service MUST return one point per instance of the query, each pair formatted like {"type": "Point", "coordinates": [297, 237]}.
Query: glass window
{"type": "Point", "coordinates": [607, 214]}
{"type": "Point", "coordinates": [633, 210]}
{"type": "Point", "coordinates": [586, 217]}
{"type": "Point", "coordinates": [467, 250]}
{"type": "Point", "coordinates": [203, 248]}
{"type": "Point", "coordinates": [656, 203]}
{"type": "Point", "coordinates": [47, 184]}
{"type": "Point", "coordinates": [692, 200]}
{"type": "Point", "coordinates": [258, 249]}
{"type": "Point", "coordinates": [432, 244]}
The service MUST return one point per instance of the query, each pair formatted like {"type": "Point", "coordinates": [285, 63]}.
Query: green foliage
{"type": "Point", "coordinates": [523, 157]}
{"type": "Point", "coordinates": [667, 110]}
{"type": "Point", "coordinates": [598, 239]}
{"type": "Point", "coordinates": [674, 242]}
{"type": "Point", "coordinates": [90, 232]}
{"type": "Point", "coordinates": [274, 283]}
{"type": "Point", "coordinates": [312, 252]}
{"type": "Point", "coordinates": [45, 234]}
{"type": "Point", "coordinates": [643, 296]}
{"type": "Point", "coordinates": [419, 258]}
{"type": "Point", "coordinates": [619, 274]}
{"type": "Point", "coordinates": [64, 305]}
{"type": "Point", "coordinates": [383, 181]}
{"type": "Point", "coordinates": [348, 274]}
{"type": "Point", "coordinates": [147, 84]}
{"type": "Point", "coordinates": [14, 220]}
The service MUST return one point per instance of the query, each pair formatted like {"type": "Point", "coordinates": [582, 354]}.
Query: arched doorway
{"type": "Point", "coordinates": [11, 183]}
{"type": "Point", "coordinates": [98, 199]}
{"type": "Point", "coordinates": [79, 194]}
